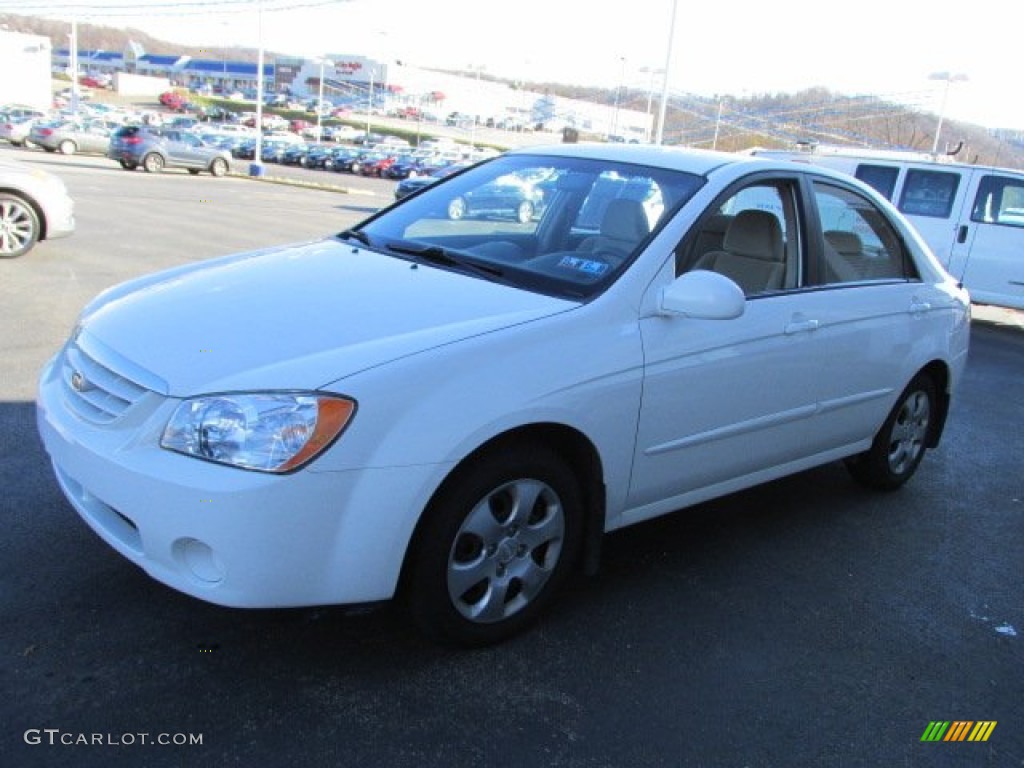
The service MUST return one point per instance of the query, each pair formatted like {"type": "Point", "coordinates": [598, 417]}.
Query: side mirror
{"type": "Point", "coordinates": [702, 295]}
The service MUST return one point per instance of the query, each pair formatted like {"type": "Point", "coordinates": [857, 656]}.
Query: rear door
{"type": "Point", "coordinates": [988, 252]}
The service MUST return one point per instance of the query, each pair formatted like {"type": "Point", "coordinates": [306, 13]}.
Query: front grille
{"type": "Point", "coordinates": [94, 391]}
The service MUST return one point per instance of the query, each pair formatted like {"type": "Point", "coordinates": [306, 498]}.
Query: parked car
{"type": "Point", "coordinates": [15, 129]}
{"type": "Point", "coordinates": [34, 205]}
{"type": "Point", "coordinates": [70, 136]}
{"type": "Point", "coordinates": [376, 163]}
{"type": "Point", "coordinates": [295, 154]}
{"type": "Point", "coordinates": [507, 196]}
{"type": "Point", "coordinates": [319, 156]}
{"type": "Point", "coordinates": [172, 100]}
{"type": "Point", "coordinates": [341, 159]}
{"type": "Point", "coordinates": [411, 184]}
{"type": "Point", "coordinates": [273, 150]}
{"type": "Point", "coordinates": [156, 149]}
{"type": "Point", "coordinates": [475, 405]}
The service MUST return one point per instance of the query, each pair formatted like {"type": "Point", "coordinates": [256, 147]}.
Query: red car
{"type": "Point", "coordinates": [172, 100]}
{"type": "Point", "coordinates": [376, 164]}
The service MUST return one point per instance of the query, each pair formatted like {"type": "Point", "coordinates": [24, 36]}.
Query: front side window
{"type": "Point", "coordinates": [1000, 200]}
{"type": "Point", "coordinates": [750, 238]}
{"type": "Point", "coordinates": [859, 242]}
{"type": "Point", "coordinates": [929, 193]}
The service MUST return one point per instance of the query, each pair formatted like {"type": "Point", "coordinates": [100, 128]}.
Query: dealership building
{"type": "Point", "coordinates": [369, 83]}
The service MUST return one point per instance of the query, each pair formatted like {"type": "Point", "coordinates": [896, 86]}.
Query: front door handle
{"type": "Point", "coordinates": [799, 325]}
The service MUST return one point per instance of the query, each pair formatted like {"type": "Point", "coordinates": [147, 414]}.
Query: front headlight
{"type": "Point", "coordinates": [268, 432]}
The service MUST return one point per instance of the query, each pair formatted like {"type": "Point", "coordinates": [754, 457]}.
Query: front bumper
{"type": "Point", "coordinates": [224, 535]}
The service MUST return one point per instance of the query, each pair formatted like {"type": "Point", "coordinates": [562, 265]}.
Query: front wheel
{"type": "Point", "coordinates": [153, 163]}
{"type": "Point", "coordinates": [494, 546]}
{"type": "Point", "coordinates": [900, 444]}
{"type": "Point", "coordinates": [457, 208]}
{"type": "Point", "coordinates": [524, 212]}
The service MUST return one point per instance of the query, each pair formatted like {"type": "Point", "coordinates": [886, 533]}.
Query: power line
{"type": "Point", "coordinates": [180, 8]}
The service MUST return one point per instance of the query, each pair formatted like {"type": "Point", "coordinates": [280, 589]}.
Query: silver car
{"type": "Point", "coordinates": [34, 206]}
{"type": "Point", "coordinates": [155, 149]}
{"type": "Point", "coordinates": [70, 136]}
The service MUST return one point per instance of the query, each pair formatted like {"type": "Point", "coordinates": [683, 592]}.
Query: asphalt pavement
{"type": "Point", "coordinates": [807, 622]}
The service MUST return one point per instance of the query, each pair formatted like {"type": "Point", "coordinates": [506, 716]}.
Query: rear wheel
{"type": "Point", "coordinates": [524, 212]}
{"type": "Point", "coordinates": [219, 167]}
{"type": "Point", "coordinates": [128, 165]}
{"type": "Point", "coordinates": [67, 147]}
{"type": "Point", "coordinates": [495, 546]}
{"type": "Point", "coordinates": [153, 163]}
{"type": "Point", "coordinates": [19, 226]}
{"type": "Point", "coordinates": [900, 444]}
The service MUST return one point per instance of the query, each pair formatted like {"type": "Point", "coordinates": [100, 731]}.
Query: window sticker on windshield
{"type": "Point", "coordinates": [584, 265]}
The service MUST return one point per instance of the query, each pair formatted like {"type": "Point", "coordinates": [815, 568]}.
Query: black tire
{"type": "Point", "coordinates": [128, 165]}
{"type": "Point", "coordinates": [219, 167]}
{"type": "Point", "coordinates": [494, 546]}
{"type": "Point", "coordinates": [67, 147]}
{"type": "Point", "coordinates": [19, 226]}
{"type": "Point", "coordinates": [153, 163]}
{"type": "Point", "coordinates": [901, 443]}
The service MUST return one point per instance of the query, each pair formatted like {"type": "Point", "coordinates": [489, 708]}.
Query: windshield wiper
{"type": "Point", "coordinates": [435, 254]}
{"type": "Point", "coordinates": [355, 234]}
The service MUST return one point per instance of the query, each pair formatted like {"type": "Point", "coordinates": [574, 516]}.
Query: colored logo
{"type": "Point", "coordinates": [958, 730]}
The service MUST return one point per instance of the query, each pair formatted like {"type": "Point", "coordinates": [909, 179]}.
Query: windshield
{"type": "Point", "coordinates": [561, 226]}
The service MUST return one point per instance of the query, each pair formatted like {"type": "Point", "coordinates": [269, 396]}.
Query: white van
{"type": "Point", "coordinates": [972, 216]}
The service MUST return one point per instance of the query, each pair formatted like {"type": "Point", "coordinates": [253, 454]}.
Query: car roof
{"type": "Point", "coordinates": [702, 162]}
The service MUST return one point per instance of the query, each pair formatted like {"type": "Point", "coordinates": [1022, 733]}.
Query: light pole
{"type": "Point", "coordinates": [948, 78]}
{"type": "Point", "coordinates": [73, 56]}
{"type": "Point", "coordinates": [718, 121]}
{"type": "Point", "coordinates": [320, 98]}
{"type": "Point", "coordinates": [668, 67]}
{"type": "Point", "coordinates": [618, 91]}
{"type": "Point", "coordinates": [478, 68]}
{"type": "Point", "coordinates": [369, 106]}
{"type": "Point", "coordinates": [650, 97]}
{"type": "Point", "coordinates": [256, 169]}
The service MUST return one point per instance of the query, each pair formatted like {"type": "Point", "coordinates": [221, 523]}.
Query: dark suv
{"type": "Point", "coordinates": [158, 148]}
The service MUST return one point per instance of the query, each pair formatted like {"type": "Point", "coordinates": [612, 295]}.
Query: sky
{"type": "Point", "coordinates": [886, 48]}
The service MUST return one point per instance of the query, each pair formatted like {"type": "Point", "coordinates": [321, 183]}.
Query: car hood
{"type": "Point", "coordinates": [296, 317]}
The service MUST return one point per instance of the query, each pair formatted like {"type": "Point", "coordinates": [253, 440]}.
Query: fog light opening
{"type": "Point", "coordinates": [200, 560]}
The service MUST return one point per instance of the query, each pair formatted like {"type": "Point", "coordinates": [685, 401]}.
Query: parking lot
{"type": "Point", "coordinates": [807, 622]}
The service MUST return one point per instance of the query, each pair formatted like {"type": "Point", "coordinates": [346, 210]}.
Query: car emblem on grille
{"type": "Point", "coordinates": [79, 383]}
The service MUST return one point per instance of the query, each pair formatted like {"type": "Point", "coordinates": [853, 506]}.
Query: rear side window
{"type": "Point", "coordinates": [881, 177]}
{"type": "Point", "coordinates": [1000, 200]}
{"type": "Point", "coordinates": [859, 242]}
{"type": "Point", "coordinates": [929, 193]}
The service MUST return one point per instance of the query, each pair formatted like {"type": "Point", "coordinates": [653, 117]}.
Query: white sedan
{"type": "Point", "coordinates": [455, 411]}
